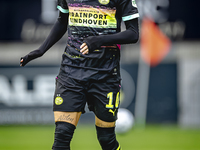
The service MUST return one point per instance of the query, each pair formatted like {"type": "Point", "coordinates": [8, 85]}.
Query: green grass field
{"type": "Point", "coordinates": [152, 138]}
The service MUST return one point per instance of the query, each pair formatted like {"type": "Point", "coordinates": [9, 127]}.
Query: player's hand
{"type": "Point", "coordinates": [84, 49]}
{"type": "Point", "coordinates": [32, 55]}
{"type": "Point", "coordinates": [23, 60]}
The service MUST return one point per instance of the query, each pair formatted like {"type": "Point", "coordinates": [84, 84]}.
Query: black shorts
{"type": "Point", "coordinates": [102, 97]}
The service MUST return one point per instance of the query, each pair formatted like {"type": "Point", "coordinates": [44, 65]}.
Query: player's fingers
{"type": "Point", "coordinates": [84, 50]}
{"type": "Point", "coordinates": [83, 45]}
{"type": "Point", "coordinates": [21, 61]}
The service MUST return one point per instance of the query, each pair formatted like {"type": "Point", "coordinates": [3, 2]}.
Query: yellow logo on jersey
{"type": "Point", "coordinates": [104, 2]}
{"type": "Point", "coordinates": [58, 100]}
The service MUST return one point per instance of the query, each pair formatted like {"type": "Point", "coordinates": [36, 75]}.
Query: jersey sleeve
{"type": "Point", "coordinates": [62, 6]}
{"type": "Point", "coordinates": [128, 9]}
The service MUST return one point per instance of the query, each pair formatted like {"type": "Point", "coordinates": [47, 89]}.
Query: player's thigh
{"type": "Point", "coordinates": [103, 124]}
{"type": "Point", "coordinates": [69, 100]}
{"type": "Point", "coordinates": [70, 117]}
{"type": "Point", "coordinates": [104, 100]}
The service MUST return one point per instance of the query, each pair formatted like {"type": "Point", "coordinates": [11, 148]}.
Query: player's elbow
{"type": "Point", "coordinates": [133, 36]}
{"type": "Point", "coordinates": [136, 36]}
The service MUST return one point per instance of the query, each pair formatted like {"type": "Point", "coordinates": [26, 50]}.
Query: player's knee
{"type": "Point", "coordinates": [63, 134]}
{"type": "Point", "coordinates": [107, 138]}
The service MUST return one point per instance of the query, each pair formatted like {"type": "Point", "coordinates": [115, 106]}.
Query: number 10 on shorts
{"type": "Point", "coordinates": [110, 103]}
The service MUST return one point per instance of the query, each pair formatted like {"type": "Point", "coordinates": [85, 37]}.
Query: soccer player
{"type": "Point", "coordinates": [90, 67]}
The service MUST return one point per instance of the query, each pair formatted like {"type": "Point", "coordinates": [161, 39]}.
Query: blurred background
{"type": "Point", "coordinates": [172, 87]}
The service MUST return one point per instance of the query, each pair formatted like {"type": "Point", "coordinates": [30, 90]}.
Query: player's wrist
{"type": "Point", "coordinates": [93, 43]}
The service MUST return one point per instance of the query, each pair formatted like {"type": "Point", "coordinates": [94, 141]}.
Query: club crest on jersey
{"type": "Point", "coordinates": [134, 3]}
{"type": "Point", "coordinates": [58, 100]}
{"type": "Point", "coordinates": [104, 2]}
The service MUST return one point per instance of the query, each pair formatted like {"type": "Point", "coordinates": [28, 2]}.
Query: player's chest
{"type": "Point", "coordinates": [92, 13]}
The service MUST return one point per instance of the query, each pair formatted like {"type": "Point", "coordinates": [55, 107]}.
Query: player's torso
{"type": "Point", "coordinates": [91, 18]}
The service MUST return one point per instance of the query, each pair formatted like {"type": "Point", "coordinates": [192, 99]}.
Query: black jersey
{"type": "Point", "coordinates": [93, 18]}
